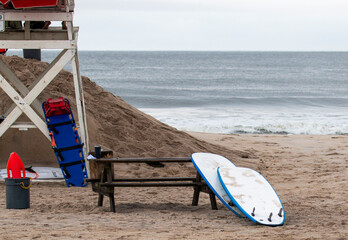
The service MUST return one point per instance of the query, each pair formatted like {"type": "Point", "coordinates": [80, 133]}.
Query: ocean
{"type": "Point", "coordinates": [228, 92]}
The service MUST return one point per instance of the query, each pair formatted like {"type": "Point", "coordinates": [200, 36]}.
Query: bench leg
{"type": "Point", "coordinates": [110, 176]}
{"type": "Point", "coordinates": [212, 200]}
{"type": "Point", "coordinates": [197, 190]}
{"type": "Point", "coordinates": [100, 200]}
{"type": "Point", "coordinates": [195, 196]}
{"type": "Point", "coordinates": [112, 202]}
{"type": "Point", "coordinates": [103, 178]}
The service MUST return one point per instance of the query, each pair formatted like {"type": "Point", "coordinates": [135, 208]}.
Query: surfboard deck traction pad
{"type": "Point", "coordinates": [66, 142]}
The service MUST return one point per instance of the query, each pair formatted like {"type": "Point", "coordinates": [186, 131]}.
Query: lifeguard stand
{"type": "Point", "coordinates": [52, 38]}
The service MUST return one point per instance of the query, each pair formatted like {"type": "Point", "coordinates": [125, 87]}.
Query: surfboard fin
{"type": "Point", "coordinates": [280, 212]}
{"type": "Point", "coordinates": [253, 213]}
{"type": "Point", "coordinates": [270, 217]}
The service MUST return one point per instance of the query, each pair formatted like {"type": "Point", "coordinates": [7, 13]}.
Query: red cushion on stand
{"type": "Point", "coordinates": [58, 106]}
{"type": "Point", "coordinates": [31, 3]}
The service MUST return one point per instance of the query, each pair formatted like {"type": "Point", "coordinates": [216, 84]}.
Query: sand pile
{"type": "Point", "coordinates": [112, 123]}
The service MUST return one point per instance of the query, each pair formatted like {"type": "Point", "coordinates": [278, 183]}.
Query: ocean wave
{"type": "Point", "coordinates": [149, 99]}
{"type": "Point", "coordinates": [257, 121]}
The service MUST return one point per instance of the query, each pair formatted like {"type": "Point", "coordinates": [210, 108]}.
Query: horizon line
{"type": "Point", "coordinates": [144, 50]}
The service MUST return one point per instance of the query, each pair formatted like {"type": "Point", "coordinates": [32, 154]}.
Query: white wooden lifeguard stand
{"type": "Point", "coordinates": [53, 38]}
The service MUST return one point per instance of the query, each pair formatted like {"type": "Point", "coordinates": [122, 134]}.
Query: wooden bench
{"type": "Point", "coordinates": [103, 180]}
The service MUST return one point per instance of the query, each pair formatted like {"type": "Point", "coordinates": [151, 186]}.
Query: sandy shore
{"type": "Point", "coordinates": [309, 174]}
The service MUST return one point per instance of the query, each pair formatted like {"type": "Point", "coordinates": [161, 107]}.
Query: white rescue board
{"type": "Point", "coordinates": [207, 165]}
{"type": "Point", "coordinates": [253, 195]}
{"type": "Point", "coordinates": [44, 173]}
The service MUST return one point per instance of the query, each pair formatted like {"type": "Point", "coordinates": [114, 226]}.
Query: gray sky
{"type": "Point", "coordinates": [290, 25]}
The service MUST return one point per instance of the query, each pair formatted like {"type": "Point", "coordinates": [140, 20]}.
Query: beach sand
{"type": "Point", "coordinates": [309, 174]}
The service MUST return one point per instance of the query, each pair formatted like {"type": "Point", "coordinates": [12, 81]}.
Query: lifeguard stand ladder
{"type": "Point", "coordinates": [52, 38]}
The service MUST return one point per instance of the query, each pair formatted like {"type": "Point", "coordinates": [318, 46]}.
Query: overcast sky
{"type": "Point", "coordinates": [290, 25]}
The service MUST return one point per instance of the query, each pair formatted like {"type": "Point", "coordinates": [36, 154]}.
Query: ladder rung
{"type": "Point", "coordinates": [23, 126]}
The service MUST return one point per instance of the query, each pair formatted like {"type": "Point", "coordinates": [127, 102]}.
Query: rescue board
{"type": "Point", "coordinates": [44, 173]}
{"type": "Point", "coordinates": [66, 141]}
{"type": "Point", "coordinates": [252, 194]}
{"type": "Point", "coordinates": [207, 165]}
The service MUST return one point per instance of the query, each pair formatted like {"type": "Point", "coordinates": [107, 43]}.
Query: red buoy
{"type": "Point", "coordinates": [15, 167]}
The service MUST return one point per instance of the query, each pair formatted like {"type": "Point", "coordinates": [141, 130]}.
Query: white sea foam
{"type": "Point", "coordinates": [272, 121]}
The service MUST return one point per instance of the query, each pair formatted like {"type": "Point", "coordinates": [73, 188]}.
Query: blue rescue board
{"type": "Point", "coordinates": [66, 142]}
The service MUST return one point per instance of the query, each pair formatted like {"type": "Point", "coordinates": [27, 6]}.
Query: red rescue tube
{"type": "Point", "coordinates": [15, 167]}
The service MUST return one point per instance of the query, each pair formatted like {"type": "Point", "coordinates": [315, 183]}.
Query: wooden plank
{"type": "Point", "coordinates": [53, 33]}
{"type": "Point", "coordinates": [112, 202]}
{"type": "Point", "coordinates": [49, 76]}
{"type": "Point", "coordinates": [2, 23]}
{"type": "Point", "coordinates": [141, 160]}
{"type": "Point", "coordinates": [95, 169]}
{"type": "Point", "coordinates": [22, 88]}
{"type": "Point", "coordinates": [80, 105]}
{"type": "Point", "coordinates": [103, 190]}
{"type": "Point", "coordinates": [37, 15]}
{"type": "Point", "coordinates": [213, 200]}
{"type": "Point", "coordinates": [163, 179]}
{"type": "Point", "coordinates": [22, 125]}
{"type": "Point", "coordinates": [100, 200]}
{"type": "Point", "coordinates": [70, 30]}
{"type": "Point", "coordinates": [9, 120]}
{"type": "Point", "coordinates": [109, 176]}
{"type": "Point", "coordinates": [39, 44]}
{"type": "Point", "coordinates": [160, 184]}
{"type": "Point", "coordinates": [26, 31]}
{"type": "Point", "coordinates": [36, 90]}
{"type": "Point", "coordinates": [197, 190]}
{"type": "Point", "coordinates": [104, 153]}
{"type": "Point", "coordinates": [7, 73]}
{"type": "Point", "coordinates": [23, 106]}
{"type": "Point", "coordinates": [49, 70]}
